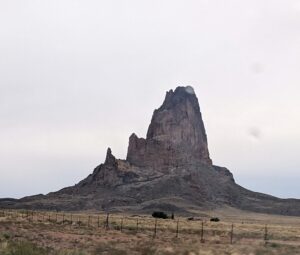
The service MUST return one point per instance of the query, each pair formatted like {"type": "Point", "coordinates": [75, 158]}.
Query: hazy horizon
{"type": "Point", "coordinates": [77, 77]}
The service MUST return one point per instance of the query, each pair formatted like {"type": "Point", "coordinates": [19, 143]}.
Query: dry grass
{"type": "Point", "coordinates": [87, 234]}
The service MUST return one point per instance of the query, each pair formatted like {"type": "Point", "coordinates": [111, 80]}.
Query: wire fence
{"type": "Point", "coordinates": [203, 229]}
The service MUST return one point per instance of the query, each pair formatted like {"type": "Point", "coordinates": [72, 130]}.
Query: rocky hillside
{"type": "Point", "coordinates": [168, 170]}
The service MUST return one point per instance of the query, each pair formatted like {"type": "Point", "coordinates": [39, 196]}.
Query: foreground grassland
{"type": "Point", "coordinates": [39, 233]}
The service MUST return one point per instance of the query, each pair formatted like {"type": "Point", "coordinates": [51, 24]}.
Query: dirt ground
{"type": "Point", "coordinates": [64, 233]}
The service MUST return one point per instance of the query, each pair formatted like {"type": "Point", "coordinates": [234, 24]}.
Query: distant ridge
{"type": "Point", "coordinates": [168, 170]}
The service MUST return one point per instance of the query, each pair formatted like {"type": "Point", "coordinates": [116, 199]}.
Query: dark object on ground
{"type": "Point", "coordinates": [215, 219]}
{"type": "Point", "coordinates": [160, 215]}
{"type": "Point", "coordinates": [195, 219]}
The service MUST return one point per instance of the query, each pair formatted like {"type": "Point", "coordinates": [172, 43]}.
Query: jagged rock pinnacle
{"type": "Point", "coordinates": [176, 135]}
{"type": "Point", "coordinates": [110, 159]}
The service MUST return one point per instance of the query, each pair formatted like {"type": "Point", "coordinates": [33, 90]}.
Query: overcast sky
{"type": "Point", "coordinates": [77, 77]}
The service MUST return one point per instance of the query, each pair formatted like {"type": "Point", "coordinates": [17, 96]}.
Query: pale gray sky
{"type": "Point", "coordinates": [79, 76]}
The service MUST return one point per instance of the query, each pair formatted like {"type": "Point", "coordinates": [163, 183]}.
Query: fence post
{"type": "Point", "coordinates": [137, 225]}
{"type": "Point", "coordinates": [63, 221]}
{"type": "Point", "coordinates": [155, 226]}
{"type": "Point", "coordinates": [231, 234]}
{"type": "Point", "coordinates": [98, 221]}
{"type": "Point", "coordinates": [266, 234]}
{"type": "Point", "coordinates": [202, 232]}
{"type": "Point", "coordinates": [121, 228]}
{"type": "Point", "coordinates": [89, 220]}
{"type": "Point", "coordinates": [56, 218]}
{"type": "Point", "coordinates": [177, 229]}
{"type": "Point", "coordinates": [107, 221]}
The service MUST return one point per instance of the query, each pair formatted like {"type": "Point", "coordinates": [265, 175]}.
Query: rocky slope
{"type": "Point", "coordinates": [168, 170]}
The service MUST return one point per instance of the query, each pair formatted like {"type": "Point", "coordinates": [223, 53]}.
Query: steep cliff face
{"type": "Point", "coordinates": [176, 135]}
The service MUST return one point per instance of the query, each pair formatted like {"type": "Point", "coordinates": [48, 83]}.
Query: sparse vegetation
{"type": "Point", "coordinates": [31, 236]}
{"type": "Point", "coordinates": [6, 236]}
{"type": "Point", "coordinates": [23, 248]}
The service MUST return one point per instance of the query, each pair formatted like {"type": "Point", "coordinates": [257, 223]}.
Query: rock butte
{"type": "Point", "coordinates": [176, 135]}
{"type": "Point", "coordinates": [169, 170]}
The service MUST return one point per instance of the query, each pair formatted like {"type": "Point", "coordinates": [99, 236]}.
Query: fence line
{"type": "Point", "coordinates": [144, 225]}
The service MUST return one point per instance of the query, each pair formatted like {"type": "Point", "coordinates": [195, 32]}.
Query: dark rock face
{"type": "Point", "coordinates": [176, 135]}
{"type": "Point", "coordinates": [169, 170]}
{"type": "Point", "coordinates": [110, 174]}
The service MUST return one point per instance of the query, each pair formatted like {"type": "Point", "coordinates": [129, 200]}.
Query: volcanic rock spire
{"type": "Point", "coordinates": [169, 170]}
{"type": "Point", "coordinates": [176, 135]}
